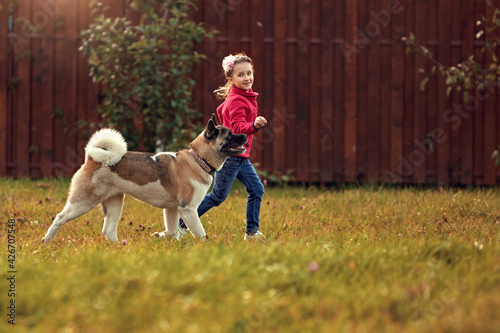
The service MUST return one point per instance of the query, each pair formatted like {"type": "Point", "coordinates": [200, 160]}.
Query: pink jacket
{"type": "Point", "coordinates": [238, 112]}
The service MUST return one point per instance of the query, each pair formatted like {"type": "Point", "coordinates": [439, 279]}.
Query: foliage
{"type": "Point", "coordinates": [356, 259]}
{"type": "Point", "coordinates": [146, 70]}
{"type": "Point", "coordinates": [468, 74]}
{"type": "Point", "coordinates": [276, 177]}
{"type": "Point", "coordinates": [496, 156]}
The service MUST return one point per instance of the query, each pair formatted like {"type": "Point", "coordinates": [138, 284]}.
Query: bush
{"type": "Point", "coordinates": [146, 70]}
{"type": "Point", "coordinates": [468, 74]}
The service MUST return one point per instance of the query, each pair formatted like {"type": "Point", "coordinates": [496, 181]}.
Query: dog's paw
{"type": "Point", "coordinates": [162, 234]}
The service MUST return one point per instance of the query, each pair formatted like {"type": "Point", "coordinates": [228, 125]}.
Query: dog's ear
{"type": "Point", "coordinates": [214, 120]}
{"type": "Point", "coordinates": [211, 131]}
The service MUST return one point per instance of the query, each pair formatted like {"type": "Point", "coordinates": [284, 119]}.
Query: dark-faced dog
{"type": "Point", "coordinates": [176, 182]}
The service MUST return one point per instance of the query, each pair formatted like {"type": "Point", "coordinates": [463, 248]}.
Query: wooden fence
{"type": "Point", "coordinates": [342, 98]}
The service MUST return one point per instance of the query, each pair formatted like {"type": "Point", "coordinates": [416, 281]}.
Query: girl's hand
{"type": "Point", "coordinates": [260, 122]}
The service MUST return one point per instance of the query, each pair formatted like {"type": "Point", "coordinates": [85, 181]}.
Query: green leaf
{"type": "Point", "coordinates": [423, 83]}
{"type": "Point", "coordinates": [465, 96]}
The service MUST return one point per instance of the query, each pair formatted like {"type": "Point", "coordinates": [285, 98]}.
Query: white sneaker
{"type": "Point", "coordinates": [258, 236]}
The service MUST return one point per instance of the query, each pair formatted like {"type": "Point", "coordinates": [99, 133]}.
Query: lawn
{"type": "Point", "coordinates": [355, 259]}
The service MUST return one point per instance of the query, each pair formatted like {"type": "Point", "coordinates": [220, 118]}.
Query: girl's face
{"type": "Point", "coordinates": [242, 76]}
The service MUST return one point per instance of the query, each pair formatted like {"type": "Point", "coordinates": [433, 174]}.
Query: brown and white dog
{"type": "Point", "coordinates": [176, 182]}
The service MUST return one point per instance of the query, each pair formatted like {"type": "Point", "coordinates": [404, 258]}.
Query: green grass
{"type": "Point", "coordinates": [363, 259]}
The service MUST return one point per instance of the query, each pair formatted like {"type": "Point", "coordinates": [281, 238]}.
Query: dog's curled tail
{"type": "Point", "coordinates": [106, 146]}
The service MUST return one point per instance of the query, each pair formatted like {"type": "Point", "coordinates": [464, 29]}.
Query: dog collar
{"type": "Point", "coordinates": [204, 165]}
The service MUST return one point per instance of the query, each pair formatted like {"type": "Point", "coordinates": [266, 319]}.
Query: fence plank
{"type": "Point", "coordinates": [351, 87]}
{"type": "Point", "coordinates": [4, 60]}
{"type": "Point", "coordinates": [489, 122]}
{"type": "Point", "coordinates": [233, 27]}
{"type": "Point", "coordinates": [314, 86]}
{"type": "Point", "coordinates": [478, 114]}
{"type": "Point", "coordinates": [327, 92]}
{"type": "Point", "coordinates": [456, 100]}
{"type": "Point", "coordinates": [384, 18]}
{"type": "Point", "coordinates": [47, 103]}
{"type": "Point", "coordinates": [22, 118]}
{"type": "Point", "coordinates": [212, 65]}
{"type": "Point", "coordinates": [362, 45]}
{"type": "Point", "coordinates": [397, 101]}
{"type": "Point", "coordinates": [468, 124]}
{"type": "Point", "coordinates": [71, 30]}
{"type": "Point", "coordinates": [266, 59]}
{"type": "Point", "coordinates": [428, 144]}
{"type": "Point", "coordinates": [373, 29]}
{"type": "Point", "coordinates": [417, 157]}
{"type": "Point", "coordinates": [65, 154]}
{"type": "Point", "coordinates": [291, 78]}
{"type": "Point", "coordinates": [406, 167]}
{"type": "Point", "coordinates": [443, 102]}
{"type": "Point", "coordinates": [36, 107]}
{"type": "Point", "coordinates": [82, 79]}
{"type": "Point", "coordinates": [303, 93]}
{"type": "Point", "coordinates": [258, 55]}
{"type": "Point", "coordinates": [339, 92]}
{"type": "Point", "coordinates": [279, 106]}
{"type": "Point", "coordinates": [490, 141]}
{"type": "Point", "coordinates": [42, 93]}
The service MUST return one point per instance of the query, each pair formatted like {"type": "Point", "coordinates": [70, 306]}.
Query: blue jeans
{"type": "Point", "coordinates": [235, 168]}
